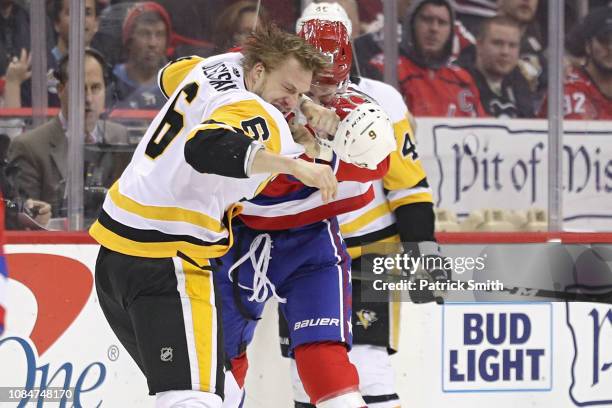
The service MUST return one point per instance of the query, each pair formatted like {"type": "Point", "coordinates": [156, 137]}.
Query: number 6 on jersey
{"type": "Point", "coordinates": [171, 124]}
{"type": "Point", "coordinates": [257, 128]}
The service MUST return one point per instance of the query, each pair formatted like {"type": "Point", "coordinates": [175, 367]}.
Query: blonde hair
{"type": "Point", "coordinates": [272, 46]}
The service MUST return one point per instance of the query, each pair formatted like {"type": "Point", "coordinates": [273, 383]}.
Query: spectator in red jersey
{"type": "Point", "coordinates": [504, 91]}
{"type": "Point", "coordinates": [370, 44]}
{"type": "Point", "coordinates": [588, 89]}
{"type": "Point", "coordinates": [432, 85]}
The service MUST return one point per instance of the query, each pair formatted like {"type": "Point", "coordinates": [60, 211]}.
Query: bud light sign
{"type": "Point", "coordinates": [497, 347]}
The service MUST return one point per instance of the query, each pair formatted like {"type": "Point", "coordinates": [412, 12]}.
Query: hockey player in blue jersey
{"type": "Point", "coordinates": [402, 210]}
{"type": "Point", "coordinates": [288, 246]}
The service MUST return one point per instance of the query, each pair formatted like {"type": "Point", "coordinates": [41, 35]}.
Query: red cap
{"type": "Point", "coordinates": [142, 8]}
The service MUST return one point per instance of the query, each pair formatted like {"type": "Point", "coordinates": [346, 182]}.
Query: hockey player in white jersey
{"type": "Point", "coordinates": [215, 142]}
{"type": "Point", "coordinates": [401, 210]}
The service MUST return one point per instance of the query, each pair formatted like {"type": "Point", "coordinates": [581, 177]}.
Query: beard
{"type": "Point", "coordinates": [603, 69]}
{"type": "Point", "coordinates": [148, 63]}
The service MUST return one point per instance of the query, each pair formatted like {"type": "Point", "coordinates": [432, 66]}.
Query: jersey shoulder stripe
{"type": "Point", "coordinates": [173, 73]}
{"type": "Point", "coordinates": [254, 118]}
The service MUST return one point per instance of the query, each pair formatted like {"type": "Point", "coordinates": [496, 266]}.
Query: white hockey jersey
{"type": "Point", "coordinates": [161, 205]}
{"type": "Point", "coordinates": [404, 183]}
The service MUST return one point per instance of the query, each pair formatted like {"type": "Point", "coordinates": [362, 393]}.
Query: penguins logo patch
{"type": "Point", "coordinates": [366, 318]}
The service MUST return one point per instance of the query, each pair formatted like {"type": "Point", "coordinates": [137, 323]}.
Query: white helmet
{"type": "Point", "coordinates": [364, 137]}
{"type": "Point", "coordinates": [324, 11]}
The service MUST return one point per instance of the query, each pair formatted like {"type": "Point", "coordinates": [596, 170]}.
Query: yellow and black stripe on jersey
{"type": "Point", "coordinates": [152, 243]}
{"type": "Point", "coordinates": [164, 204]}
{"type": "Point", "coordinates": [173, 73]}
{"type": "Point", "coordinates": [250, 117]}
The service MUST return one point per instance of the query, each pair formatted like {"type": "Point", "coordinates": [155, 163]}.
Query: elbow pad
{"type": "Point", "coordinates": [219, 151]}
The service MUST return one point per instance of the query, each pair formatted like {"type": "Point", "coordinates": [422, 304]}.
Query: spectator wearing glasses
{"type": "Point", "coordinates": [41, 155]}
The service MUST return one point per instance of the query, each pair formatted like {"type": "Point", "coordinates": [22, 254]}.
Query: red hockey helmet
{"type": "Point", "coordinates": [347, 102]}
{"type": "Point", "coordinates": [331, 39]}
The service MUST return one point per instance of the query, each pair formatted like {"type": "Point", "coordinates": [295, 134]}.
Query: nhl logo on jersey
{"type": "Point", "coordinates": [165, 354]}
{"type": "Point", "coordinates": [366, 318]}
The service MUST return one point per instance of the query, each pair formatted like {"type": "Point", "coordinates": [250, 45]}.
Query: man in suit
{"type": "Point", "coordinates": [41, 154]}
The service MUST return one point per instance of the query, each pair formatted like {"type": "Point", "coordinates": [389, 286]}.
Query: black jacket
{"type": "Point", "coordinates": [516, 99]}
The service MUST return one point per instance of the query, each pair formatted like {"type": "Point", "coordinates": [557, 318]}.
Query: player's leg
{"type": "Point", "coordinates": [376, 378]}
{"type": "Point", "coordinates": [375, 336]}
{"type": "Point", "coordinates": [300, 397]}
{"type": "Point", "coordinates": [239, 315]}
{"type": "Point", "coordinates": [376, 375]}
{"type": "Point", "coordinates": [234, 392]}
{"type": "Point", "coordinates": [171, 304]}
{"type": "Point", "coordinates": [318, 313]}
{"type": "Point", "coordinates": [112, 306]}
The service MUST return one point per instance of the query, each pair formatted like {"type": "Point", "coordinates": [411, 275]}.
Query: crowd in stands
{"type": "Point", "coordinates": [457, 58]}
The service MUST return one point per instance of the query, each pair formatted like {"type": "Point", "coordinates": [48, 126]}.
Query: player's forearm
{"type": "Point", "coordinates": [233, 154]}
{"type": "Point", "coordinates": [268, 162]}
